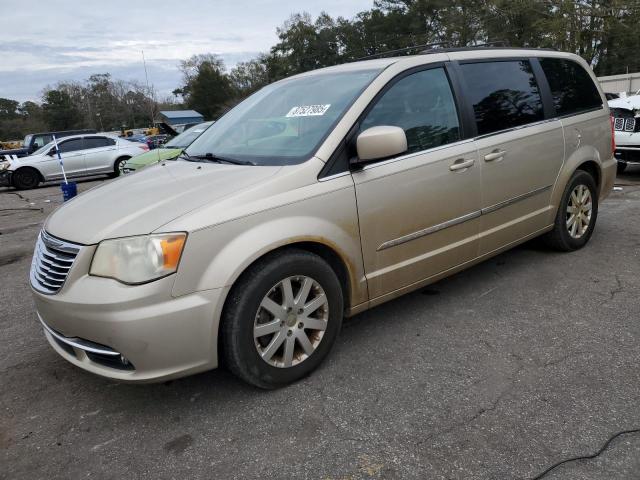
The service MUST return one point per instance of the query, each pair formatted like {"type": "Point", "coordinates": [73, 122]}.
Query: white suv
{"type": "Point", "coordinates": [82, 155]}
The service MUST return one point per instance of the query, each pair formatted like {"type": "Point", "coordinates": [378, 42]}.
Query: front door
{"type": "Point", "coordinates": [418, 212]}
{"type": "Point", "coordinates": [72, 154]}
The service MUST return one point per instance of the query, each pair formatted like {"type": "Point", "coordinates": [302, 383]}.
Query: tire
{"type": "Point", "coordinates": [622, 166]}
{"type": "Point", "coordinates": [117, 166]}
{"type": "Point", "coordinates": [257, 360]}
{"type": "Point", "coordinates": [564, 236]}
{"type": "Point", "coordinates": [25, 178]}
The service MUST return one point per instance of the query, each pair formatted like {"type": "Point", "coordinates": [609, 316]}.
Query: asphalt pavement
{"type": "Point", "coordinates": [499, 372]}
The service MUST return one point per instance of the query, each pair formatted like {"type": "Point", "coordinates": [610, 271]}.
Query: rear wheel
{"type": "Point", "coordinates": [577, 213]}
{"type": "Point", "coordinates": [281, 318]}
{"type": "Point", "coordinates": [25, 178]}
{"type": "Point", "coordinates": [118, 166]}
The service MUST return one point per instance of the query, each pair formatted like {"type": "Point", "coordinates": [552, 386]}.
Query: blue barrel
{"type": "Point", "coordinates": [69, 190]}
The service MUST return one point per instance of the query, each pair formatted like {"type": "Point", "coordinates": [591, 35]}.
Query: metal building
{"type": "Point", "coordinates": [180, 117]}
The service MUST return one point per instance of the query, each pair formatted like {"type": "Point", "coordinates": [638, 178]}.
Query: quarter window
{"type": "Point", "coordinates": [504, 94]}
{"type": "Point", "coordinates": [423, 106]}
{"type": "Point", "coordinates": [572, 88]}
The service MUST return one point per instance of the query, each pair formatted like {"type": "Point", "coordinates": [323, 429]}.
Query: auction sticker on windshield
{"type": "Point", "coordinates": [308, 110]}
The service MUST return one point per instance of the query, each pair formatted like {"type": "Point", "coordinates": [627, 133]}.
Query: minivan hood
{"type": "Point", "coordinates": [141, 203]}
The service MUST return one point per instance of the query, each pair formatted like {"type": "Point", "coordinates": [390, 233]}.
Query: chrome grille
{"type": "Point", "coordinates": [52, 260]}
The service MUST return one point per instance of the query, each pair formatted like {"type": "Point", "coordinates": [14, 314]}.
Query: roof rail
{"type": "Point", "coordinates": [401, 50]}
{"type": "Point", "coordinates": [495, 45]}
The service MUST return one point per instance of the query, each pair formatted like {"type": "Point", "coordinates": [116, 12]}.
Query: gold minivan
{"type": "Point", "coordinates": [320, 196]}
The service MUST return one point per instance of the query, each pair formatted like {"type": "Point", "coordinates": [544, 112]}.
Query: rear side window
{"type": "Point", "coordinates": [504, 94]}
{"type": "Point", "coordinates": [571, 86]}
{"type": "Point", "coordinates": [422, 105]}
{"type": "Point", "coordinates": [98, 142]}
{"type": "Point", "coordinates": [70, 145]}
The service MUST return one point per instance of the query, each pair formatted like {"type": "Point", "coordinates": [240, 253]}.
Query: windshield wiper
{"type": "Point", "coordinates": [210, 157]}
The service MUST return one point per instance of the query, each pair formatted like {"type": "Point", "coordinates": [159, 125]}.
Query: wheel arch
{"type": "Point", "coordinates": [30, 167]}
{"type": "Point", "coordinates": [328, 253]}
{"type": "Point", "coordinates": [589, 160]}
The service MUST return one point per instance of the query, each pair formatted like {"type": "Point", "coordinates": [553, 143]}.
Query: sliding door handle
{"type": "Point", "coordinates": [461, 164]}
{"type": "Point", "coordinates": [495, 155]}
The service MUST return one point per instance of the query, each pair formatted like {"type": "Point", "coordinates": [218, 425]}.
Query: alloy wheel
{"type": "Point", "coordinates": [291, 321]}
{"type": "Point", "coordinates": [579, 210]}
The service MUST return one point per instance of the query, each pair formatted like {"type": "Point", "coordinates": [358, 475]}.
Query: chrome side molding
{"type": "Point", "coordinates": [458, 220]}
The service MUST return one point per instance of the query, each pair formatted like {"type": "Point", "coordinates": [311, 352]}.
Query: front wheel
{"type": "Point", "coordinates": [25, 178]}
{"type": "Point", "coordinates": [577, 213]}
{"type": "Point", "coordinates": [281, 318]}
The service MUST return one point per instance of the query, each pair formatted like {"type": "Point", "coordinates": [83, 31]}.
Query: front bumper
{"type": "Point", "coordinates": [5, 178]}
{"type": "Point", "coordinates": [130, 333]}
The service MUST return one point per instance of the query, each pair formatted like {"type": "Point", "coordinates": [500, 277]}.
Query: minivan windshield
{"type": "Point", "coordinates": [187, 137]}
{"type": "Point", "coordinates": [284, 123]}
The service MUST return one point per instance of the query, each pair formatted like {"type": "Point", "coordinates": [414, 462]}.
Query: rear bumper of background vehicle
{"type": "Point", "coordinates": [161, 337]}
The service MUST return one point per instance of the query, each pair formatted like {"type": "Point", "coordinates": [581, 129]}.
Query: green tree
{"type": "Point", "coordinates": [210, 90]}
{"type": "Point", "coordinates": [59, 111]}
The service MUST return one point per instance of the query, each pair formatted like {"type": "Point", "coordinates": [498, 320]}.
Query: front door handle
{"type": "Point", "coordinates": [461, 164]}
{"type": "Point", "coordinates": [495, 155]}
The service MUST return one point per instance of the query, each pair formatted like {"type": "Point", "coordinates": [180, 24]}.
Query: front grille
{"type": "Point", "coordinates": [627, 124]}
{"type": "Point", "coordinates": [52, 260]}
{"type": "Point", "coordinates": [630, 125]}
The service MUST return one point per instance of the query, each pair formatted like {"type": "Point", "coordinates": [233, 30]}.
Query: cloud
{"type": "Point", "coordinates": [42, 43]}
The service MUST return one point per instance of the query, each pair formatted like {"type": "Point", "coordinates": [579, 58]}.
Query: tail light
{"type": "Point", "coordinates": [613, 137]}
{"type": "Point", "coordinates": [144, 147]}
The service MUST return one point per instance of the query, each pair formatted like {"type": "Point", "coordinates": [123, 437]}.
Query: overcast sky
{"type": "Point", "coordinates": [46, 41]}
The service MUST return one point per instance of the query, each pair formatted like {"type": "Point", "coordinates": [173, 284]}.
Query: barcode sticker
{"type": "Point", "coordinates": [308, 110]}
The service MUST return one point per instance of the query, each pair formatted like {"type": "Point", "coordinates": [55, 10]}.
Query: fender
{"type": "Point", "coordinates": [216, 256]}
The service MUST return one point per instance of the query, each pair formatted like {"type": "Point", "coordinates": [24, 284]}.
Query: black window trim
{"type": "Point", "coordinates": [338, 163]}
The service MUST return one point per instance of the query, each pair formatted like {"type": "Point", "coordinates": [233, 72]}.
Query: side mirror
{"type": "Point", "coordinates": [376, 143]}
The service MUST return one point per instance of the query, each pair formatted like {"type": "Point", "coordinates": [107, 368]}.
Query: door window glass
{"type": "Point", "coordinates": [97, 142]}
{"type": "Point", "coordinates": [571, 86]}
{"type": "Point", "coordinates": [504, 94]}
{"type": "Point", "coordinates": [71, 145]}
{"type": "Point", "coordinates": [41, 140]}
{"type": "Point", "coordinates": [423, 106]}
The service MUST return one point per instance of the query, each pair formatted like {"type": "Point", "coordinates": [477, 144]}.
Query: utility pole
{"type": "Point", "coordinates": [151, 100]}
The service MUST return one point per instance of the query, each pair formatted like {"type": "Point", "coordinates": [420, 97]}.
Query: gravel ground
{"type": "Point", "coordinates": [498, 372]}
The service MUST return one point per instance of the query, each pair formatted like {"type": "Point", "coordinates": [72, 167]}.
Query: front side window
{"type": "Point", "coordinates": [423, 106]}
{"type": "Point", "coordinates": [71, 145]}
{"type": "Point", "coordinates": [571, 86]}
{"type": "Point", "coordinates": [284, 123]}
{"type": "Point", "coordinates": [504, 94]}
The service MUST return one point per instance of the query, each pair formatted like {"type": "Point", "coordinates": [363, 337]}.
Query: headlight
{"type": "Point", "coordinates": [141, 259]}
{"type": "Point", "coordinates": [4, 165]}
